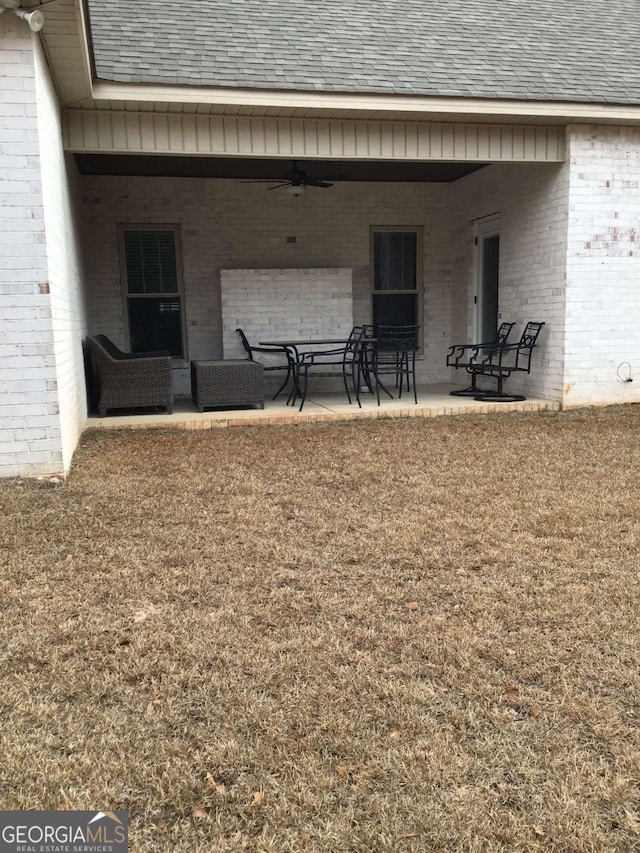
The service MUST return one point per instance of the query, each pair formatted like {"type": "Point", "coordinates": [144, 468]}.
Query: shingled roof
{"type": "Point", "coordinates": [577, 50]}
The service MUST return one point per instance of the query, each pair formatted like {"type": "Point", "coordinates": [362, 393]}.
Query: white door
{"type": "Point", "coordinates": [487, 277]}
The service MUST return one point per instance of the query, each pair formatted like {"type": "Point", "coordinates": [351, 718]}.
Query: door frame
{"type": "Point", "coordinates": [486, 226]}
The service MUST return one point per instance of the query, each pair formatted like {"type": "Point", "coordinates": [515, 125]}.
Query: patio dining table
{"type": "Point", "coordinates": [293, 347]}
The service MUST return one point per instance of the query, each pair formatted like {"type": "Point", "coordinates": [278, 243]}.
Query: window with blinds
{"type": "Point", "coordinates": [153, 292]}
{"type": "Point", "coordinates": [395, 275]}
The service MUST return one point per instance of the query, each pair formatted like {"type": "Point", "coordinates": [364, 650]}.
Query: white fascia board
{"type": "Point", "coordinates": [336, 101]}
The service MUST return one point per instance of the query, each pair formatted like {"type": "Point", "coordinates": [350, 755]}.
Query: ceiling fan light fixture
{"type": "Point", "coordinates": [295, 189]}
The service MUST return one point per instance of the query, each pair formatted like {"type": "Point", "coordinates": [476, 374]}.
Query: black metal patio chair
{"type": "Point", "coordinates": [280, 351]}
{"type": "Point", "coordinates": [460, 356]}
{"type": "Point", "coordinates": [339, 362]}
{"type": "Point", "coordinates": [501, 361]}
{"type": "Point", "coordinates": [392, 352]}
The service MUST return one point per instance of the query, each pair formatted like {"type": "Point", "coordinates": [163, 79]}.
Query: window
{"type": "Point", "coordinates": [395, 261]}
{"type": "Point", "coordinates": [153, 288]}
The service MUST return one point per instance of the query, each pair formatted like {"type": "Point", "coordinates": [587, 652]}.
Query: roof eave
{"type": "Point", "coordinates": [336, 103]}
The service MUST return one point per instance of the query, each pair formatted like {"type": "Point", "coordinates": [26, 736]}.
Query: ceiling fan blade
{"type": "Point", "coordinates": [261, 181]}
{"type": "Point", "coordinates": [322, 184]}
{"type": "Point", "coordinates": [278, 186]}
{"type": "Point", "coordinates": [332, 178]}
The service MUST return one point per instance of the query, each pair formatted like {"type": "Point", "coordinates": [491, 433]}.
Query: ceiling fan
{"type": "Point", "coordinates": [295, 181]}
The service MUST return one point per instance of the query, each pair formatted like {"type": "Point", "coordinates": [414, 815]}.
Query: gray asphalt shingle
{"type": "Point", "coordinates": [580, 50]}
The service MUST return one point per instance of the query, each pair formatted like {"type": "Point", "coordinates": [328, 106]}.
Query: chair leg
{"type": "Point", "coordinates": [403, 373]}
{"type": "Point", "coordinates": [355, 378]}
{"type": "Point", "coordinates": [295, 387]}
{"type": "Point", "coordinates": [346, 383]}
{"type": "Point", "coordinates": [303, 395]}
{"type": "Point", "coordinates": [405, 363]}
{"type": "Point", "coordinates": [499, 396]}
{"type": "Point", "coordinates": [471, 391]}
{"type": "Point", "coordinates": [413, 376]}
{"type": "Point", "coordinates": [380, 384]}
{"type": "Point", "coordinates": [364, 372]}
{"type": "Point", "coordinates": [284, 384]}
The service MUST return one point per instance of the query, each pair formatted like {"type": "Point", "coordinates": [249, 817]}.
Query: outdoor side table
{"type": "Point", "coordinates": [235, 382]}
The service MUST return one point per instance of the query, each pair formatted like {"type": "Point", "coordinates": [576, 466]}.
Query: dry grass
{"type": "Point", "coordinates": [376, 636]}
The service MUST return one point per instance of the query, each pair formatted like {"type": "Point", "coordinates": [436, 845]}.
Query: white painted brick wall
{"type": "Point", "coordinates": [41, 388]}
{"type": "Point", "coordinates": [229, 225]}
{"type": "Point", "coordinates": [532, 201]}
{"type": "Point", "coordinates": [284, 305]}
{"type": "Point", "coordinates": [603, 265]}
{"type": "Point", "coordinates": [61, 194]}
{"type": "Point", "coordinates": [29, 417]}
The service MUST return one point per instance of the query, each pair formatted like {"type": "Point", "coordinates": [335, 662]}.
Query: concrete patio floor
{"type": "Point", "coordinates": [433, 401]}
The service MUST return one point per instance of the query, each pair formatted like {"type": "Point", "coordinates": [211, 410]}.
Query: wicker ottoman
{"type": "Point", "coordinates": [227, 383]}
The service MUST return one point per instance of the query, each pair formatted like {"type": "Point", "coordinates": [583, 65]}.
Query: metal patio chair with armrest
{"type": "Point", "coordinates": [392, 353]}
{"type": "Point", "coordinates": [501, 361]}
{"type": "Point", "coordinates": [130, 380]}
{"type": "Point", "coordinates": [460, 356]}
{"type": "Point", "coordinates": [272, 350]}
{"type": "Point", "coordinates": [341, 362]}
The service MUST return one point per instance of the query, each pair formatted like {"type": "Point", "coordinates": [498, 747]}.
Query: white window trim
{"type": "Point", "coordinates": [485, 226]}
{"type": "Point", "coordinates": [133, 226]}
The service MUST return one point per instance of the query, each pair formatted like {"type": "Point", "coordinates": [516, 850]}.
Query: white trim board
{"type": "Point", "coordinates": [551, 111]}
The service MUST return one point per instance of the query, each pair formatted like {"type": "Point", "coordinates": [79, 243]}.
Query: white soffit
{"type": "Point", "coordinates": [384, 105]}
{"type": "Point", "coordinates": [66, 50]}
{"type": "Point", "coordinates": [250, 136]}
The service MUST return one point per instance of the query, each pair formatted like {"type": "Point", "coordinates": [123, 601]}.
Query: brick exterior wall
{"type": "Point", "coordinates": [29, 420]}
{"type": "Point", "coordinates": [225, 224]}
{"type": "Point", "coordinates": [603, 266]}
{"type": "Point", "coordinates": [61, 199]}
{"type": "Point", "coordinates": [284, 305]}
{"type": "Point", "coordinates": [533, 208]}
{"type": "Point", "coordinates": [33, 390]}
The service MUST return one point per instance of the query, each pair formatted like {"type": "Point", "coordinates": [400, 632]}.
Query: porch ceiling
{"type": "Point", "coordinates": [271, 168]}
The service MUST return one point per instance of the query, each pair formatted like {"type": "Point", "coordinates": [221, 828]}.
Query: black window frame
{"type": "Point", "coordinates": [416, 292]}
{"type": "Point", "coordinates": [177, 295]}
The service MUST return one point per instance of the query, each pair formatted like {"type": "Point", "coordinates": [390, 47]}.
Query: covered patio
{"type": "Point", "coordinates": [454, 246]}
{"type": "Point", "coordinates": [321, 407]}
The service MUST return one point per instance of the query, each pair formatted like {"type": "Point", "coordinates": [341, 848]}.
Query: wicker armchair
{"type": "Point", "coordinates": [130, 380]}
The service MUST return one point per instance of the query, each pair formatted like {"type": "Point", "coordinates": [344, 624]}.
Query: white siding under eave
{"type": "Point", "coordinates": [259, 136]}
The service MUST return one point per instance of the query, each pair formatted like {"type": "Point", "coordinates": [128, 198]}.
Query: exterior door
{"type": "Point", "coordinates": [487, 269]}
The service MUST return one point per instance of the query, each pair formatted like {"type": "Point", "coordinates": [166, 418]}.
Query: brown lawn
{"type": "Point", "coordinates": [369, 636]}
